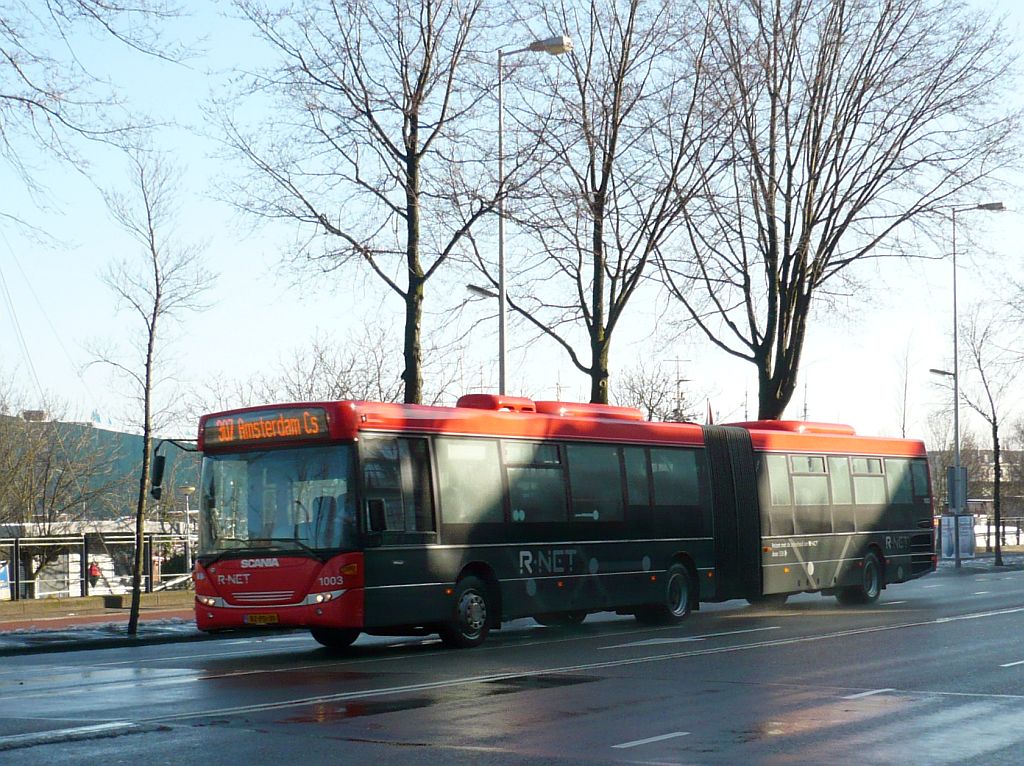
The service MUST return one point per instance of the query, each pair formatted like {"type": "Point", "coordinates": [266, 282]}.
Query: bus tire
{"type": "Point", "coordinates": [334, 638]}
{"type": "Point", "coordinates": [470, 624]}
{"type": "Point", "coordinates": [561, 619]}
{"type": "Point", "coordinates": [676, 599]}
{"type": "Point", "coordinates": [869, 588]}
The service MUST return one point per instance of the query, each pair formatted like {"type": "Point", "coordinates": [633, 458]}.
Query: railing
{"type": "Point", "coordinates": [90, 564]}
{"type": "Point", "coordinates": [1010, 532]}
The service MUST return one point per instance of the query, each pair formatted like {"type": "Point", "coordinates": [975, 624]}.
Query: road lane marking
{"type": "Point", "coordinates": [981, 592]}
{"type": "Point", "coordinates": [1012, 664]}
{"type": "Point", "coordinates": [871, 693]}
{"type": "Point", "coordinates": [569, 669]}
{"type": "Point", "coordinates": [685, 639]}
{"type": "Point", "coordinates": [892, 603]}
{"type": "Point", "coordinates": [649, 740]}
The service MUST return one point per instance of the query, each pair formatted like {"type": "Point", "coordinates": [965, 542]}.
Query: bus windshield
{"type": "Point", "coordinates": [286, 499]}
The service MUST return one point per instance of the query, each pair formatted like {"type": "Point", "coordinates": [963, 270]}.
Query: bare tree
{"type": "Point", "coordinates": [992, 372]}
{"type": "Point", "coordinates": [322, 371]}
{"type": "Point", "coordinates": [656, 392]}
{"type": "Point", "coordinates": [53, 474]}
{"type": "Point", "coordinates": [376, 145]}
{"type": "Point", "coordinates": [48, 97]}
{"type": "Point", "coordinates": [163, 281]}
{"type": "Point", "coordinates": [853, 120]}
{"type": "Point", "coordinates": [619, 145]}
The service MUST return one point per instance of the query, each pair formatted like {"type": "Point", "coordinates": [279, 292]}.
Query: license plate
{"type": "Point", "coordinates": [261, 619]}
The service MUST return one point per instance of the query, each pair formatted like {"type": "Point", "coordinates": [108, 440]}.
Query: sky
{"type": "Point", "coordinates": [54, 307]}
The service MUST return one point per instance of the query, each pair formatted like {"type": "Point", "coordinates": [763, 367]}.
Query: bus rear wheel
{"type": "Point", "coordinates": [334, 638]}
{"type": "Point", "coordinates": [869, 588]}
{"type": "Point", "coordinates": [470, 624]}
{"type": "Point", "coordinates": [676, 599]}
{"type": "Point", "coordinates": [561, 619]}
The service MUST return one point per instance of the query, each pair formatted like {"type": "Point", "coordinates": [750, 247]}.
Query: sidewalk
{"type": "Point", "coordinates": [74, 626]}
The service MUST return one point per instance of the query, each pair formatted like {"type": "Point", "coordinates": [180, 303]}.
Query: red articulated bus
{"type": "Point", "coordinates": [350, 517]}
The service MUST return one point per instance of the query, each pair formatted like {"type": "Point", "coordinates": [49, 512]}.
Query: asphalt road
{"type": "Point", "coordinates": [932, 674]}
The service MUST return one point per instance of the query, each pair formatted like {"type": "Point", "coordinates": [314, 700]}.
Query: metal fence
{"type": "Point", "coordinates": [93, 563]}
{"type": "Point", "coordinates": [1009, 533]}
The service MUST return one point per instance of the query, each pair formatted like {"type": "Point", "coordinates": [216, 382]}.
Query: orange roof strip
{"type": "Point", "coordinates": [782, 441]}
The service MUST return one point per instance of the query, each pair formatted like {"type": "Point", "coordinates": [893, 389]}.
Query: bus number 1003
{"type": "Point", "coordinates": [329, 581]}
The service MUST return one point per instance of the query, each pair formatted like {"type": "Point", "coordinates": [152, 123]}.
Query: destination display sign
{"type": "Point", "coordinates": [281, 424]}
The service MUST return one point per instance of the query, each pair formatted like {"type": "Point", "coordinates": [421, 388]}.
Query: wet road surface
{"type": "Point", "coordinates": [933, 674]}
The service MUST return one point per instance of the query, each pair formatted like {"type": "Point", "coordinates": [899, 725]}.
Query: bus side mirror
{"type": "Point", "coordinates": [157, 476]}
{"type": "Point", "coordinates": [376, 515]}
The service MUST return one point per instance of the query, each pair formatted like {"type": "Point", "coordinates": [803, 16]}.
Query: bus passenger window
{"type": "Point", "coordinates": [869, 493]}
{"type": "Point", "coordinates": [536, 482]}
{"type": "Point", "coordinates": [595, 478]}
{"type": "Point", "coordinates": [638, 478]}
{"type": "Point", "coordinates": [470, 476]}
{"type": "Point", "coordinates": [842, 494]}
{"type": "Point", "coordinates": [897, 476]}
{"type": "Point", "coordinates": [811, 512]}
{"type": "Point", "coordinates": [780, 512]}
{"type": "Point", "coordinates": [677, 500]}
{"type": "Point", "coordinates": [419, 505]}
{"type": "Point", "coordinates": [919, 477]}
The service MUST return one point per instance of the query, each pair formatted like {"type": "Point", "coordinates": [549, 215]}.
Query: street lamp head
{"type": "Point", "coordinates": [991, 206]}
{"type": "Point", "coordinates": [484, 292]}
{"type": "Point", "coordinates": [553, 45]}
{"type": "Point", "coordinates": [944, 373]}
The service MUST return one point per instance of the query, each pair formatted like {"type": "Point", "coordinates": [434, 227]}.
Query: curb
{"type": "Point", "coordinates": [49, 645]}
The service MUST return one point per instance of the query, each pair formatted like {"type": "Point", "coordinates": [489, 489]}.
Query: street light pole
{"type": "Point", "coordinates": [555, 46]}
{"type": "Point", "coordinates": [960, 489]}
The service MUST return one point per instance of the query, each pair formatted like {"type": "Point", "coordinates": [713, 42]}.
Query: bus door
{"type": "Point", "coordinates": [737, 515]}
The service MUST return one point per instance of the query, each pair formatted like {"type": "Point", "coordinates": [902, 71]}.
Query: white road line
{"type": "Point", "coordinates": [867, 694]}
{"type": "Point", "coordinates": [981, 592]}
{"type": "Point", "coordinates": [686, 639]}
{"type": "Point", "coordinates": [580, 668]}
{"type": "Point", "coordinates": [1012, 664]}
{"type": "Point", "coordinates": [649, 740]}
{"type": "Point", "coordinates": [892, 603]}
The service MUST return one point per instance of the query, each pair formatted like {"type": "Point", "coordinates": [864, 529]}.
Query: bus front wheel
{"type": "Point", "coordinates": [869, 588]}
{"type": "Point", "coordinates": [334, 638]}
{"type": "Point", "coordinates": [676, 598]}
{"type": "Point", "coordinates": [471, 622]}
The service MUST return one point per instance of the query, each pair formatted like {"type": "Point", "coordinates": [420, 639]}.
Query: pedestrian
{"type": "Point", "coordinates": [94, 574]}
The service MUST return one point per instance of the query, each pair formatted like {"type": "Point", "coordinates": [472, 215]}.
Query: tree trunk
{"type": "Point", "coordinates": [412, 375]}
{"type": "Point", "coordinates": [599, 369]}
{"type": "Point", "coordinates": [599, 340]}
{"type": "Point", "coordinates": [147, 444]}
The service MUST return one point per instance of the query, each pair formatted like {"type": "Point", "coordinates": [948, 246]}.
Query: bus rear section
{"type": "Point", "coordinates": [840, 514]}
